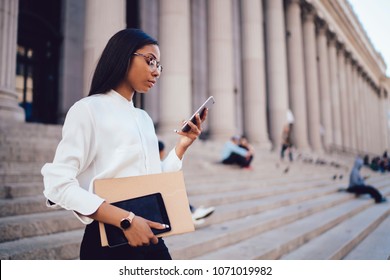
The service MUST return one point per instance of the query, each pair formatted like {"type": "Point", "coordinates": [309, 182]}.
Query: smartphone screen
{"type": "Point", "coordinates": [207, 104]}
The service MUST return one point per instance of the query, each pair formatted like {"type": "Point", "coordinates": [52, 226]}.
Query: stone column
{"type": "Point", "coordinates": [381, 137]}
{"type": "Point", "coordinates": [356, 111]}
{"type": "Point", "coordinates": [276, 69]}
{"type": "Point", "coordinates": [199, 60]}
{"type": "Point", "coordinates": [10, 111]}
{"type": "Point", "coordinates": [324, 84]}
{"type": "Point", "coordinates": [377, 121]}
{"type": "Point", "coordinates": [175, 48]}
{"type": "Point", "coordinates": [71, 74]}
{"type": "Point", "coordinates": [334, 91]}
{"type": "Point", "coordinates": [373, 120]}
{"type": "Point", "coordinates": [350, 120]}
{"type": "Point", "coordinates": [296, 74]}
{"type": "Point", "coordinates": [385, 126]}
{"type": "Point", "coordinates": [312, 92]}
{"type": "Point", "coordinates": [149, 22]}
{"type": "Point", "coordinates": [253, 64]}
{"type": "Point", "coordinates": [102, 20]}
{"type": "Point", "coordinates": [343, 96]}
{"type": "Point", "coordinates": [355, 104]}
{"type": "Point", "coordinates": [368, 114]}
{"type": "Point", "coordinates": [360, 111]}
{"type": "Point", "coordinates": [221, 76]}
{"type": "Point", "coordinates": [365, 115]}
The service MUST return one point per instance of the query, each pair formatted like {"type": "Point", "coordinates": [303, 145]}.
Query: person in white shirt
{"type": "Point", "coordinates": [105, 136]}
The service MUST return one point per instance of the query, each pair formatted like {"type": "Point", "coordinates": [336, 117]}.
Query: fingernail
{"type": "Point", "coordinates": [166, 226]}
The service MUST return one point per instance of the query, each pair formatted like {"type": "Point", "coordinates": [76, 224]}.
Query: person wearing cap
{"type": "Point", "coordinates": [232, 153]}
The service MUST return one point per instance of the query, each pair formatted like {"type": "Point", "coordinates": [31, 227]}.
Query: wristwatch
{"type": "Point", "coordinates": [126, 222]}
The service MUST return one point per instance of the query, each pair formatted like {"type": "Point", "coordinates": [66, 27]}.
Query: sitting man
{"type": "Point", "coordinates": [232, 153]}
{"type": "Point", "coordinates": [358, 186]}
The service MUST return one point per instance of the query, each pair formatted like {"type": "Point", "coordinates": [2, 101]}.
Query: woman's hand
{"type": "Point", "coordinates": [187, 138]}
{"type": "Point", "coordinates": [140, 233]}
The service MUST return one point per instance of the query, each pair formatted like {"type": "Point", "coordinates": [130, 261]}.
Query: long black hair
{"type": "Point", "coordinates": [115, 59]}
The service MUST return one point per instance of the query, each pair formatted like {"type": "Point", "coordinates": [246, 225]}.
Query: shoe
{"type": "Point", "coordinates": [382, 200]}
{"type": "Point", "coordinates": [198, 222]}
{"type": "Point", "coordinates": [201, 213]}
{"type": "Point", "coordinates": [286, 170]}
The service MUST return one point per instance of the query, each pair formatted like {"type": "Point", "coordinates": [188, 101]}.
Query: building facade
{"type": "Point", "coordinates": [258, 58]}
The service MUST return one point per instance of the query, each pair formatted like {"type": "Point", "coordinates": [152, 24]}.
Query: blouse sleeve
{"type": "Point", "coordinates": [74, 154]}
{"type": "Point", "coordinates": [172, 162]}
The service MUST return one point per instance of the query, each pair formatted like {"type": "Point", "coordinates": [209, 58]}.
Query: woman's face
{"type": "Point", "coordinates": [143, 74]}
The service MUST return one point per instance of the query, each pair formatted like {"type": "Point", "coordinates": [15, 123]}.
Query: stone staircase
{"type": "Point", "coordinates": [265, 213]}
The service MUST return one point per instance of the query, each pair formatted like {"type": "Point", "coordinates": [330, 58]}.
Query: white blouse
{"type": "Point", "coordinates": [104, 136]}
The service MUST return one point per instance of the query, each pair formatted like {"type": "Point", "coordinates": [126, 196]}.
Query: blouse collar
{"type": "Point", "coordinates": [120, 98]}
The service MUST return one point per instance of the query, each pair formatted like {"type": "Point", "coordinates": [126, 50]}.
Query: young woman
{"type": "Point", "coordinates": [105, 136]}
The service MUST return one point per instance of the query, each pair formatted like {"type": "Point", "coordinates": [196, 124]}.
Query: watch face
{"type": "Point", "coordinates": [125, 224]}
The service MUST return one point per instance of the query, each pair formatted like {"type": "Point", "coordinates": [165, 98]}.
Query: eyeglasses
{"type": "Point", "coordinates": [151, 61]}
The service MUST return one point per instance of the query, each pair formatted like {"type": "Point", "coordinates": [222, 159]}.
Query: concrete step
{"type": "Point", "coordinates": [229, 217]}
{"type": "Point", "coordinates": [376, 246]}
{"type": "Point", "coordinates": [255, 192]}
{"type": "Point", "coordinates": [215, 236]}
{"type": "Point", "coordinates": [274, 243]}
{"type": "Point", "coordinates": [342, 238]}
{"type": "Point", "coordinates": [15, 190]}
{"type": "Point", "coordinates": [23, 206]}
{"type": "Point", "coordinates": [25, 155]}
{"type": "Point", "coordinates": [236, 185]}
{"type": "Point", "coordinates": [19, 178]}
{"type": "Point", "coordinates": [37, 224]}
{"type": "Point", "coordinates": [67, 246]}
{"type": "Point", "coordinates": [25, 130]}
{"type": "Point", "coordinates": [60, 246]}
{"type": "Point", "coordinates": [21, 168]}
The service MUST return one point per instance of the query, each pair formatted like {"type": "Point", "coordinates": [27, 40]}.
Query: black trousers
{"type": "Point", "coordinates": [284, 148]}
{"type": "Point", "coordinates": [373, 192]}
{"type": "Point", "coordinates": [238, 159]}
{"type": "Point", "coordinates": [91, 248]}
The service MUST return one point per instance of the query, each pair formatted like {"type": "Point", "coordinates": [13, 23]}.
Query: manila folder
{"type": "Point", "coordinates": [171, 186]}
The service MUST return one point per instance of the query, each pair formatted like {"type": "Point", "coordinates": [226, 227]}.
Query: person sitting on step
{"type": "Point", "coordinates": [358, 186]}
{"type": "Point", "coordinates": [232, 153]}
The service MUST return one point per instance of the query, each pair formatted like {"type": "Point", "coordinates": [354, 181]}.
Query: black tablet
{"type": "Point", "coordinates": [150, 207]}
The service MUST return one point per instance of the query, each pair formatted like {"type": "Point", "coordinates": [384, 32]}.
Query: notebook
{"type": "Point", "coordinates": [169, 185]}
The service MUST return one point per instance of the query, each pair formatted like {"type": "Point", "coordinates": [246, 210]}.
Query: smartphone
{"type": "Point", "coordinates": [207, 104]}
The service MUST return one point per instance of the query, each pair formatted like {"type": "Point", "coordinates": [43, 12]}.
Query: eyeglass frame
{"type": "Point", "coordinates": [149, 60]}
